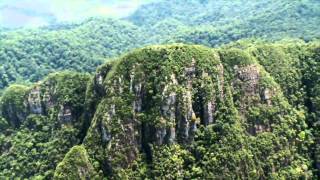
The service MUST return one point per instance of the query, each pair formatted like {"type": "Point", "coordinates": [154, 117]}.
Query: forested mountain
{"type": "Point", "coordinates": [30, 54]}
{"type": "Point", "coordinates": [141, 97]}
{"type": "Point", "coordinates": [246, 110]}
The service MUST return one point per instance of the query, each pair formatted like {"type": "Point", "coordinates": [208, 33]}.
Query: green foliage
{"type": "Point", "coordinates": [265, 95]}
{"type": "Point", "coordinates": [215, 22]}
{"type": "Point", "coordinates": [12, 104]}
{"type": "Point", "coordinates": [69, 88]}
{"type": "Point", "coordinates": [259, 131]}
{"type": "Point", "coordinates": [237, 57]}
{"type": "Point", "coordinates": [169, 162]}
{"type": "Point", "coordinates": [256, 133]}
{"type": "Point", "coordinates": [75, 165]}
{"type": "Point", "coordinates": [43, 138]}
{"type": "Point", "coordinates": [28, 55]}
{"type": "Point", "coordinates": [3, 124]}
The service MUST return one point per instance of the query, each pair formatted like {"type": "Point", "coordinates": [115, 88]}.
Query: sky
{"type": "Point", "coordinates": [34, 13]}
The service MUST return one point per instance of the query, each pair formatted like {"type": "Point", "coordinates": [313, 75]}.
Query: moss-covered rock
{"type": "Point", "coordinates": [75, 165]}
{"type": "Point", "coordinates": [13, 107]}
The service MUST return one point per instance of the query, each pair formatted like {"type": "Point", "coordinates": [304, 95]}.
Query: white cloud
{"type": "Point", "coordinates": [38, 12]}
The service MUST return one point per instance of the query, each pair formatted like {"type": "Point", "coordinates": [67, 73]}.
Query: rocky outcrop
{"type": "Point", "coordinates": [145, 107]}
{"type": "Point", "coordinates": [167, 135]}
{"type": "Point", "coordinates": [161, 97]}
{"type": "Point", "coordinates": [249, 77]}
{"type": "Point", "coordinates": [35, 101]}
{"type": "Point", "coordinates": [208, 112]}
{"type": "Point", "coordinates": [75, 165]}
{"type": "Point", "coordinates": [266, 95]}
{"type": "Point", "coordinates": [41, 98]}
{"type": "Point", "coordinates": [65, 114]}
{"type": "Point", "coordinates": [185, 125]}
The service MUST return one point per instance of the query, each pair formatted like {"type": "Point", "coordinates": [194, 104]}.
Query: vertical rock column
{"type": "Point", "coordinates": [186, 125]}
{"type": "Point", "coordinates": [168, 112]}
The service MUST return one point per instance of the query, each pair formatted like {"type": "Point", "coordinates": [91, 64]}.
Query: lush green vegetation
{"type": "Point", "coordinates": [246, 109]}
{"type": "Point", "coordinates": [209, 112]}
{"type": "Point", "coordinates": [75, 165]}
{"type": "Point", "coordinates": [27, 55]}
{"type": "Point", "coordinates": [253, 120]}
{"type": "Point", "coordinates": [45, 122]}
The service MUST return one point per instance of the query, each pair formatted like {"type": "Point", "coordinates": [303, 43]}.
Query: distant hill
{"type": "Point", "coordinates": [30, 54]}
{"type": "Point", "coordinates": [215, 22]}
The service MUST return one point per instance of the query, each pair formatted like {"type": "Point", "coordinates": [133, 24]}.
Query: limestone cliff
{"type": "Point", "coordinates": [161, 95]}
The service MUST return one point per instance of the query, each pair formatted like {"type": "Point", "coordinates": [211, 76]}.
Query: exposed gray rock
{"type": "Point", "coordinates": [184, 117]}
{"type": "Point", "coordinates": [105, 135]}
{"type": "Point", "coordinates": [260, 128]}
{"type": "Point", "coordinates": [47, 98]}
{"type": "Point", "coordinates": [160, 135]}
{"type": "Point", "coordinates": [65, 114]}
{"type": "Point", "coordinates": [247, 82]}
{"type": "Point", "coordinates": [190, 71]}
{"type": "Point", "coordinates": [267, 95]}
{"type": "Point", "coordinates": [220, 79]}
{"type": "Point", "coordinates": [99, 79]}
{"type": "Point", "coordinates": [208, 112]}
{"type": "Point", "coordinates": [98, 84]}
{"type": "Point", "coordinates": [34, 101]}
{"type": "Point", "coordinates": [171, 136]}
{"type": "Point", "coordinates": [15, 117]}
{"type": "Point", "coordinates": [137, 104]}
{"type": "Point", "coordinates": [168, 109]}
{"type": "Point", "coordinates": [250, 75]}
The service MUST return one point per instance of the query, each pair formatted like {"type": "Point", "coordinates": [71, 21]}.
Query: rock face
{"type": "Point", "coordinates": [151, 105]}
{"type": "Point", "coordinates": [34, 101]}
{"type": "Point", "coordinates": [49, 112]}
{"type": "Point", "coordinates": [65, 114]}
{"type": "Point", "coordinates": [161, 96]}
{"type": "Point", "coordinates": [250, 76]}
{"type": "Point", "coordinates": [168, 111]}
{"type": "Point", "coordinates": [42, 97]}
{"type": "Point", "coordinates": [49, 95]}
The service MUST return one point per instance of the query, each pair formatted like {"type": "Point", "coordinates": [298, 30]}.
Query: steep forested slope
{"type": "Point", "coordinates": [29, 55]}
{"type": "Point", "coordinates": [174, 111]}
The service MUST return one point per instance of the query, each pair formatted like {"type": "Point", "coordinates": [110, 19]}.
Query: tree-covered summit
{"type": "Point", "coordinates": [171, 111]}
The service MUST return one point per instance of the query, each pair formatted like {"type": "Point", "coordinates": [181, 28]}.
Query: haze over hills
{"type": "Point", "coordinates": [132, 97]}
{"type": "Point", "coordinates": [35, 13]}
